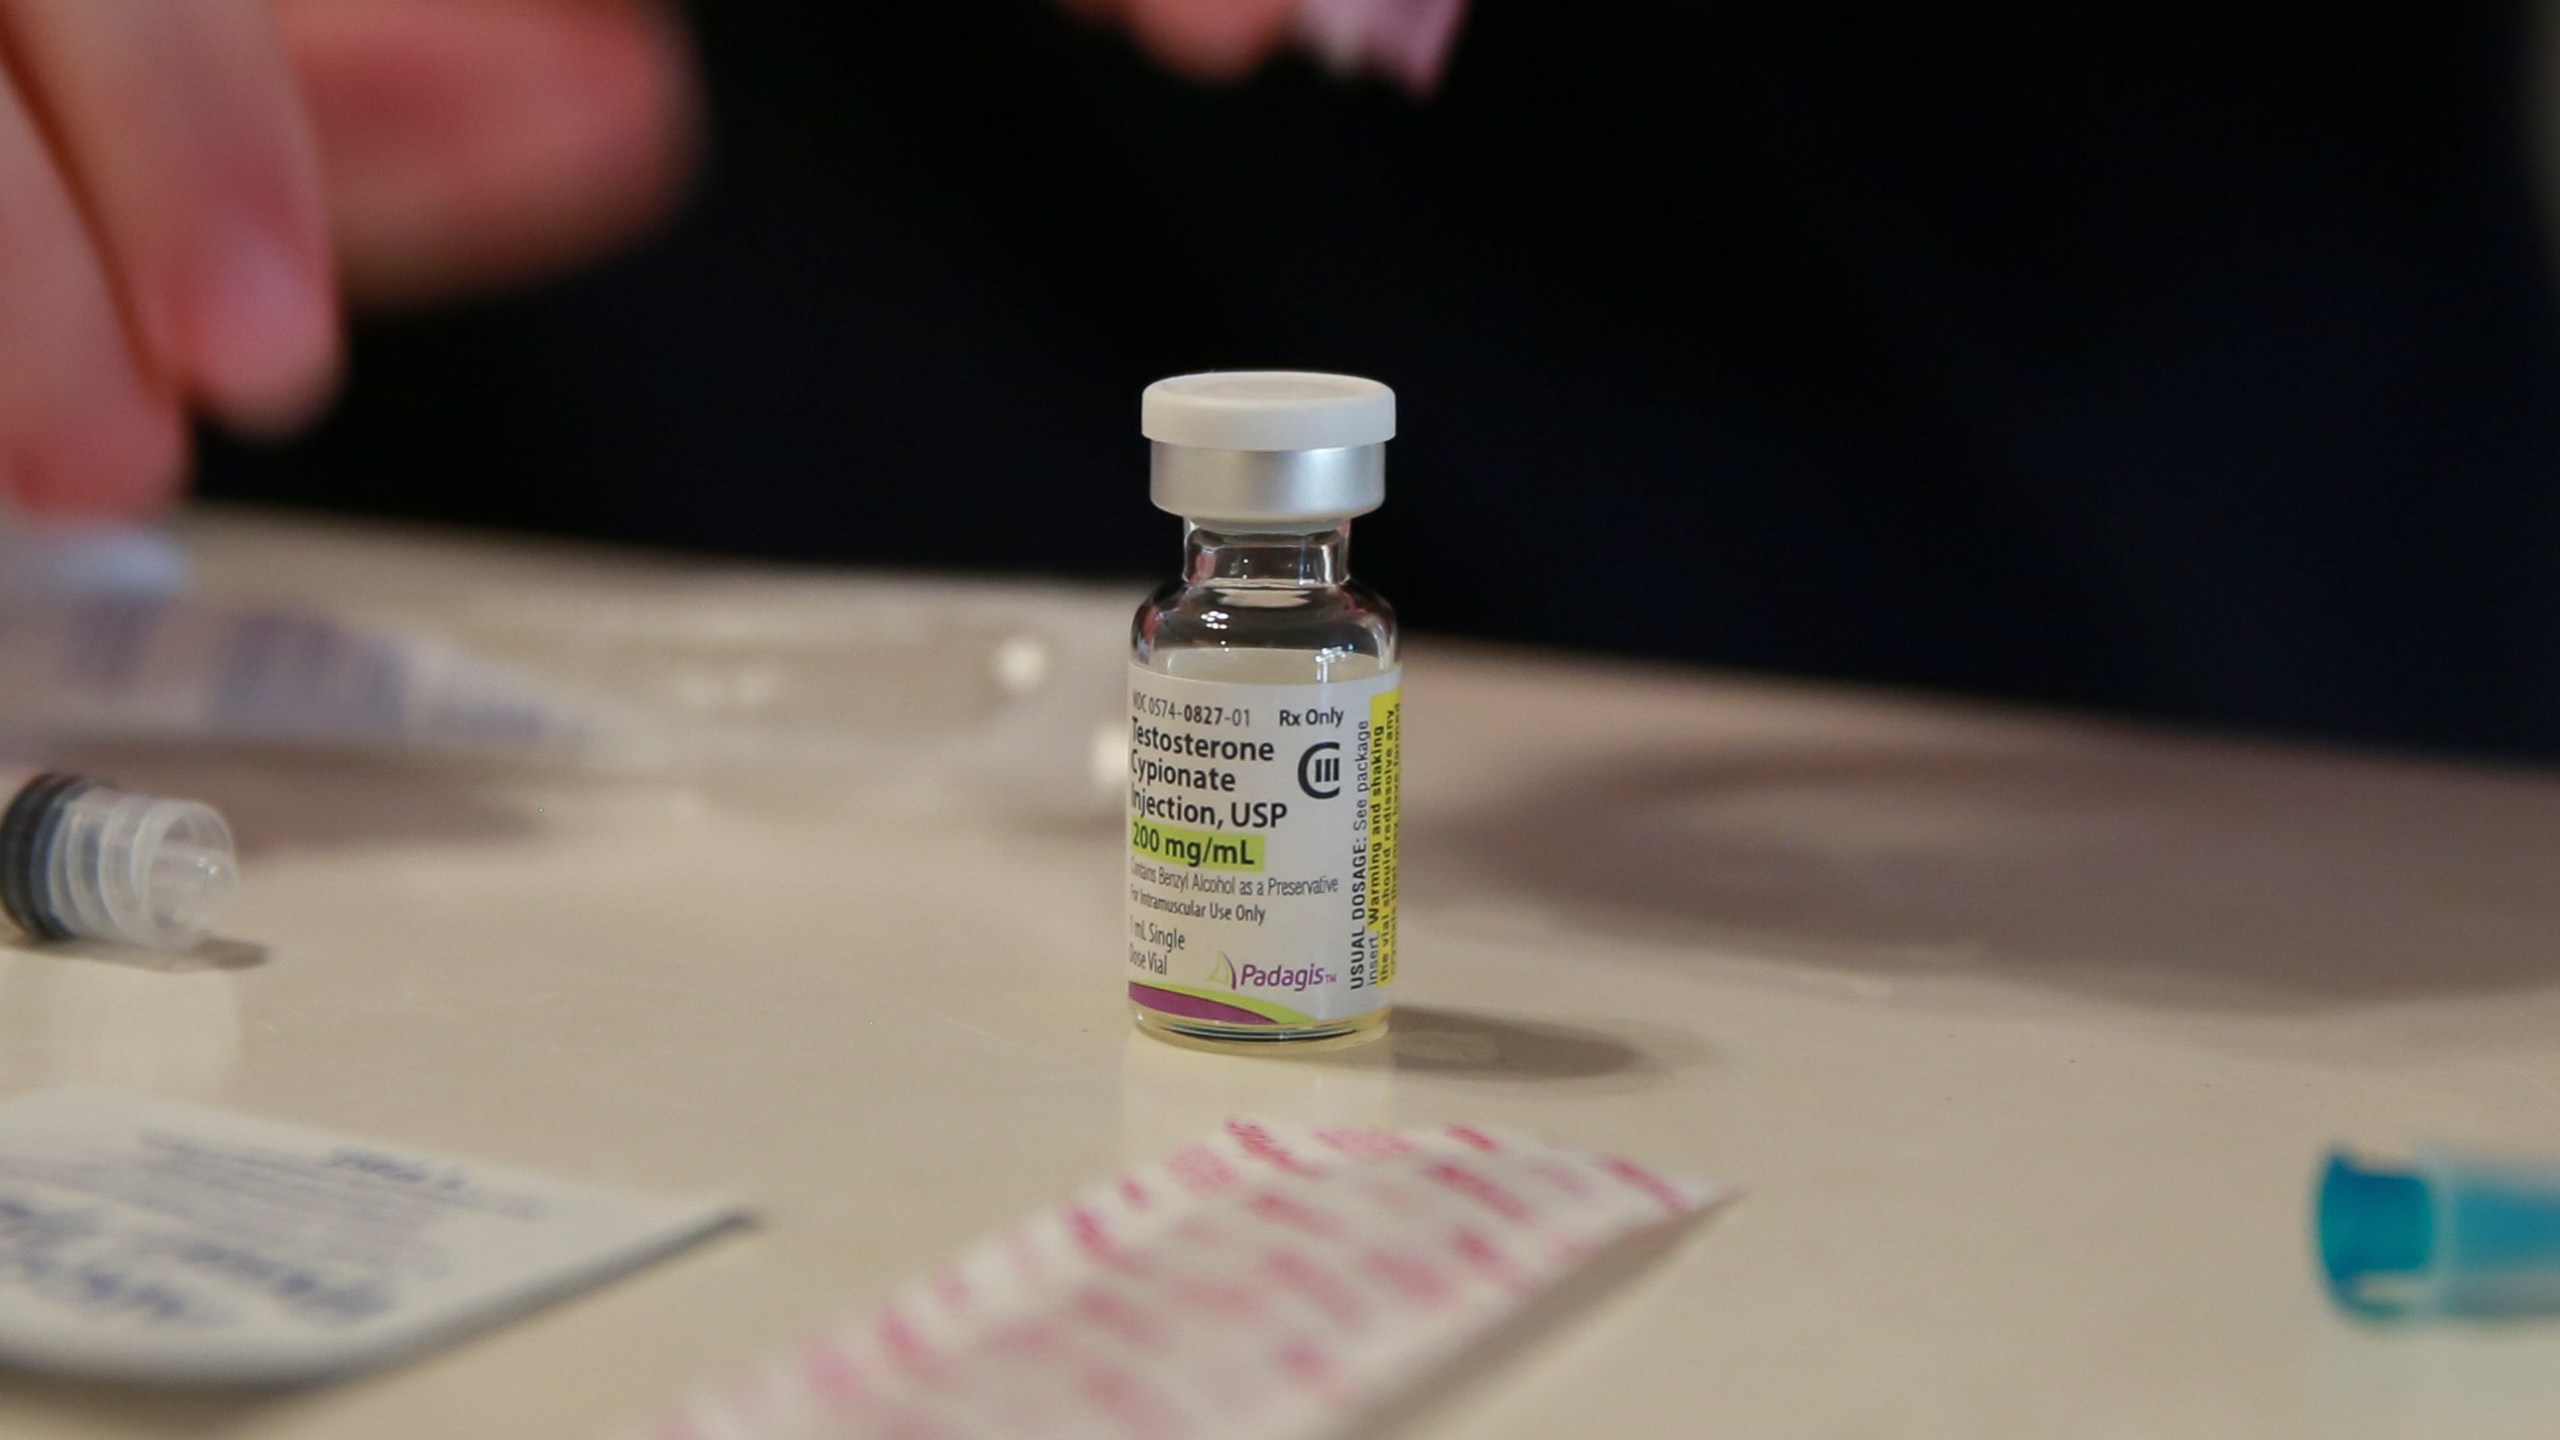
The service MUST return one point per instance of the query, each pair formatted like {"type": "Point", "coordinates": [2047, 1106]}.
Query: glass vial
{"type": "Point", "coordinates": [1266, 721]}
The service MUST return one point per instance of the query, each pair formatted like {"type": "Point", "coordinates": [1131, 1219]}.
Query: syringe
{"type": "Point", "coordinates": [81, 859]}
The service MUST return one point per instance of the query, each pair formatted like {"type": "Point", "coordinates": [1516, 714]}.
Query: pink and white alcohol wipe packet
{"type": "Point", "coordinates": [1265, 1283]}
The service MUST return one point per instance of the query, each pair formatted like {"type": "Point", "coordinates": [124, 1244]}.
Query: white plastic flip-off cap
{"type": "Point", "coordinates": [1269, 410]}
{"type": "Point", "coordinates": [1269, 447]}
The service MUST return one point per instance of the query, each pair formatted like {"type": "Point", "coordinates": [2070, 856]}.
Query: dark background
{"type": "Point", "coordinates": [2192, 360]}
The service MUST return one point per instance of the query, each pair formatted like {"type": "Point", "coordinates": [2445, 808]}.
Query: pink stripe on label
{"type": "Point", "coordinates": [831, 1373]}
{"type": "Point", "coordinates": [905, 1347]}
{"type": "Point", "coordinates": [1366, 1144]}
{"type": "Point", "coordinates": [1091, 1235]}
{"type": "Point", "coordinates": [1201, 1173]}
{"type": "Point", "coordinates": [1257, 1142]}
{"type": "Point", "coordinates": [1192, 1007]}
{"type": "Point", "coordinates": [1297, 1215]}
{"type": "Point", "coordinates": [1661, 1190]}
{"type": "Point", "coordinates": [1481, 1190]}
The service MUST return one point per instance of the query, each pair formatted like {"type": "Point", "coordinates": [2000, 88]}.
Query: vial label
{"type": "Point", "coordinates": [1262, 848]}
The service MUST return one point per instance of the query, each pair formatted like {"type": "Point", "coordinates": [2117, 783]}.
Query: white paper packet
{"type": "Point", "coordinates": [1261, 1284]}
{"type": "Point", "coordinates": [142, 1240]}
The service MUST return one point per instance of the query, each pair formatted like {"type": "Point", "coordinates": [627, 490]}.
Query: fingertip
{"type": "Point", "coordinates": [472, 145]}
{"type": "Point", "coordinates": [180, 132]}
{"type": "Point", "coordinates": [1211, 39]}
{"type": "Point", "coordinates": [261, 327]}
{"type": "Point", "coordinates": [123, 456]}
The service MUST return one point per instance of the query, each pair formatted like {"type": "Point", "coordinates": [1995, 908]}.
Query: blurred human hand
{"type": "Point", "coordinates": [192, 190]}
{"type": "Point", "coordinates": [1405, 40]}
{"type": "Point", "coordinates": [1208, 39]}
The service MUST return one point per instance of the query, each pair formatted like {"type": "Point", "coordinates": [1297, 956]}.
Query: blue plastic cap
{"type": "Point", "coordinates": [2447, 1236]}
{"type": "Point", "coordinates": [2377, 1233]}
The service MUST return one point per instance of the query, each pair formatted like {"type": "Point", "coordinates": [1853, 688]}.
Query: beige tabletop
{"type": "Point", "coordinates": [2022, 1033]}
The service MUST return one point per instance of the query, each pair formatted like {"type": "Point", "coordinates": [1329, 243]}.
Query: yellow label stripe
{"type": "Point", "coordinates": [1386, 786]}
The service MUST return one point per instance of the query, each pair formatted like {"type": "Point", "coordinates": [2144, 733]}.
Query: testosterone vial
{"type": "Point", "coordinates": [1266, 721]}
